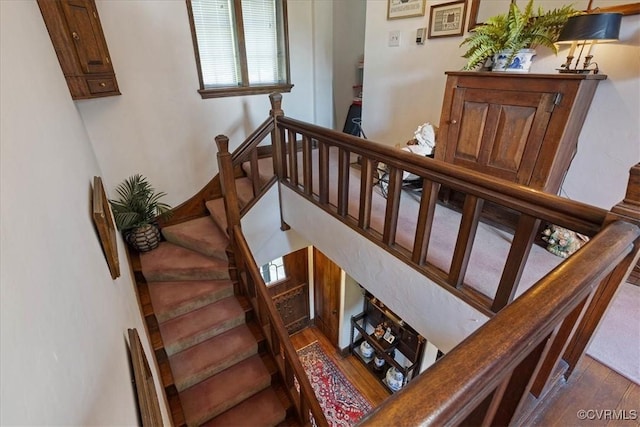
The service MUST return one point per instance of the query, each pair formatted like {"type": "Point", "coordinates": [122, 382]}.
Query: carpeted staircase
{"type": "Point", "coordinates": [217, 354]}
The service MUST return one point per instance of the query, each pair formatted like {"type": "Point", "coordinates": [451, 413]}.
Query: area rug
{"type": "Point", "coordinates": [341, 402]}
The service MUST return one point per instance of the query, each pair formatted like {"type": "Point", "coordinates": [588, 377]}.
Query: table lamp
{"type": "Point", "coordinates": [585, 30]}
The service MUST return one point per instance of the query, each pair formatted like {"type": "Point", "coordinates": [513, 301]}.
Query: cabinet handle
{"type": "Point", "coordinates": [453, 122]}
{"type": "Point", "coordinates": [75, 36]}
{"type": "Point", "coordinates": [103, 84]}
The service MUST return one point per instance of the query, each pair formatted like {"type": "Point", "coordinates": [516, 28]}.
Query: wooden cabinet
{"type": "Point", "coordinates": [77, 37]}
{"type": "Point", "coordinates": [400, 347]}
{"type": "Point", "coordinates": [520, 127]}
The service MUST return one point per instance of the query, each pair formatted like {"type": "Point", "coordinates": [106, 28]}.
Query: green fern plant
{"type": "Point", "coordinates": [138, 204]}
{"type": "Point", "coordinates": [515, 30]}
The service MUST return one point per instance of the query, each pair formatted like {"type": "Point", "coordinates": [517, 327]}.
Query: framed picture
{"type": "Point", "coordinates": [397, 9]}
{"type": "Point", "coordinates": [103, 220]}
{"type": "Point", "coordinates": [447, 19]}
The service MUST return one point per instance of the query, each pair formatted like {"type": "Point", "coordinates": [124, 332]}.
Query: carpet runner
{"type": "Point", "coordinates": [341, 402]}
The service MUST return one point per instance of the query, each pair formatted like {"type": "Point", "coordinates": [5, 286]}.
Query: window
{"type": "Point", "coordinates": [273, 271]}
{"type": "Point", "coordinates": [241, 46]}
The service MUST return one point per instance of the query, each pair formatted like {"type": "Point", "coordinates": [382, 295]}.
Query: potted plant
{"type": "Point", "coordinates": [136, 212]}
{"type": "Point", "coordinates": [510, 38]}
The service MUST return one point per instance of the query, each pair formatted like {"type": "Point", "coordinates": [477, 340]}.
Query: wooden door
{"type": "Point", "coordinates": [86, 33]}
{"type": "Point", "coordinates": [498, 132]}
{"type": "Point", "coordinates": [326, 279]}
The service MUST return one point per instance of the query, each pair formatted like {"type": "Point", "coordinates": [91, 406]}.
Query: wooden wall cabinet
{"type": "Point", "coordinates": [520, 127]}
{"type": "Point", "coordinates": [77, 37]}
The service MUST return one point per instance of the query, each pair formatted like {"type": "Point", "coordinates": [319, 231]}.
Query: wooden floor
{"type": "Point", "coordinates": [593, 388]}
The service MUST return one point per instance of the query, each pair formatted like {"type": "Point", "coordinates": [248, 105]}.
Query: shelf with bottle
{"type": "Point", "coordinates": [389, 347]}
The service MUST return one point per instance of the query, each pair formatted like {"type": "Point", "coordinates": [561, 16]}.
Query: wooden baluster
{"type": "Point", "coordinates": [277, 139]}
{"type": "Point", "coordinates": [255, 172]}
{"type": "Point", "coordinates": [519, 385]}
{"type": "Point", "coordinates": [523, 238]}
{"type": "Point", "coordinates": [366, 188]}
{"type": "Point", "coordinates": [427, 210]}
{"type": "Point", "coordinates": [307, 166]}
{"type": "Point", "coordinates": [558, 347]}
{"type": "Point", "coordinates": [228, 185]}
{"type": "Point", "coordinates": [293, 158]}
{"type": "Point", "coordinates": [627, 210]}
{"type": "Point", "coordinates": [466, 235]}
{"type": "Point", "coordinates": [393, 207]}
{"type": "Point", "coordinates": [323, 170]}
{"type": "Point", "coordinates": [343, 182]}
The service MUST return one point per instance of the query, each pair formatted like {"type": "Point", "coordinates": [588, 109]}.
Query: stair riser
{"type": "Point", "coordinates": [195, 304]}
{"type": "Point", "coordinates": [192, 340]}
{"type": "Point", "coordinates": [212, 370]}
{"type": "Point", "coordinates": [188, 274]}
{"type": "Point", "coordinates": [196, 246]}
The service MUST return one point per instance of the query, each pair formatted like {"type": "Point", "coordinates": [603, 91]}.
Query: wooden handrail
{"type": "Point", "coordinates": [275, 325]}
{"type": "Point", "coordinates": [478, 368]}
{"type": "Point", "coordinates": [578, 216]}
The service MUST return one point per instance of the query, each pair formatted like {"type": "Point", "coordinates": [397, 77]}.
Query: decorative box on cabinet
{"type": "Point", "coordinates": [403, 351]}
{"type": "Point", "coordinates": [77, 37]}
{"type": "Point", "coordinates": [517, 126]}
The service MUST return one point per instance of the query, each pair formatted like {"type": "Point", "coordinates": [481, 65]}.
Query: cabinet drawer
{"type": "Point", "coordinates": [102, 85]}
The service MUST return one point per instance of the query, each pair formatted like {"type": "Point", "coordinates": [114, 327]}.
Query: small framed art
{"type": "Point", "coordinates": [447, 19]}
{"type": "Point", "coordinates": [397, 9]}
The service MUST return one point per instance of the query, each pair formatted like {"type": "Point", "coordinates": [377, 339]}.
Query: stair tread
{"type": "Point", "coordinates": [173, 299]}
{"type": "Point", "coordinates": [210, 357]}
{"type": "Point", "coordinates": [261, 409]}
{"type": "Point", "coordinates": [216, 208]}
{"type": "Point", "coordinates": [201, 235]}
{"type": "Point", "coordinates": [265, 169]}
{"type": "Point", "coordinates": [224, 390]}
{"type": "Point", "coordinates": [170, 262]}
{"type": "Point", "coordinates": [199, 325]}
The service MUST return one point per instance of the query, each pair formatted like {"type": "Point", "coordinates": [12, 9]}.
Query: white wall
{"type": "Point", "coordinates": [404, 87]}
{"type": "Point", "coordinates": [449, 319]}
{"type": "Point", "coordinates": [160, 126]}
{"type": "Point", "coordinates": [64, 321]}
{"type": "Point", "coordinates": [348, 49]}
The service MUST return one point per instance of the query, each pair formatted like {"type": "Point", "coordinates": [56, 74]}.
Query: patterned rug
{"type": "Point", "coordinates": [342, 403]}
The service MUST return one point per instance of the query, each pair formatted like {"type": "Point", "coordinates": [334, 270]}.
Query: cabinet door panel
{"type": "Point", "coordinates": [497, 132]}
{"type": "Point", "coordinates": [87, 36]}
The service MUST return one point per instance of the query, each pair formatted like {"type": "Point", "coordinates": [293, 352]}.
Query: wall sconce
{"type": "Point", "coordinates": [588, 30]}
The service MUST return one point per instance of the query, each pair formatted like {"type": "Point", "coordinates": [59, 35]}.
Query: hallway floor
{"type": "Point", "coordinates": [594, 396]}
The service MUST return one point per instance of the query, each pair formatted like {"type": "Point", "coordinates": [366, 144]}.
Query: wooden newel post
{"type": "Point", "coordinates": [228, 185]}
{"type": "Point", "coordinates": [627, 210]}
{"type": "Point", "coordinates": [277, 136]}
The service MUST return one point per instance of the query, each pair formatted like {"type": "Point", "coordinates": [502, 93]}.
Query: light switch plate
{"type": "Point", "coordinates": [394, 38]}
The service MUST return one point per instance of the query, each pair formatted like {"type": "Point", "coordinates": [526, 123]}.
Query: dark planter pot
{"type": "Point", "coordinates": [143, 239]}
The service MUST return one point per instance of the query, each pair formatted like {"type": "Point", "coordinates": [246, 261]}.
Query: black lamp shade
{"type": "Point", "coordinates": [597, 26]}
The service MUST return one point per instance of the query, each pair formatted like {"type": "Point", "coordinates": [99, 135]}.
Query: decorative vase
{"type": "Point", "coordinates": [521, 63]}
{"type": "Point", "coordinates": [145, 238]}
{"type": "Point", "coordinates": [394, 379]}
{"type": "Point", "coordinates": [366, 350]}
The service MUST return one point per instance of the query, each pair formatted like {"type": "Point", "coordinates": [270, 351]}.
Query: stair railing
{"type": "Point", "coordinates": [487, 379]}
{"type": "Point", "coordinates": [291, 370]}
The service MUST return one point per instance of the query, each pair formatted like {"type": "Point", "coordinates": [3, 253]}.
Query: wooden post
{"type": "Point", "coordinates": [627, 210]}
{"type": "Point", "coordinates": [278, 149]}
{"type": "Point", "coordinates": [228, 185]}
{"type": "Point", "coordinates": [276, 136]}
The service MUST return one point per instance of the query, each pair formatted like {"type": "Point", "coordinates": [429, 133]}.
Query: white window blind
{"type": "Point", "coordinates": [221, 56]}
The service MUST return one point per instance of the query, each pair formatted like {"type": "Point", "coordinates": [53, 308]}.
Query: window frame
{"type": "Point", "coordinates": [245, 88]}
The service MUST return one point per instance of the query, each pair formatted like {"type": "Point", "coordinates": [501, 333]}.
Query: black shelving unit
{"type": "Point", "coordinates": [407, 344]}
